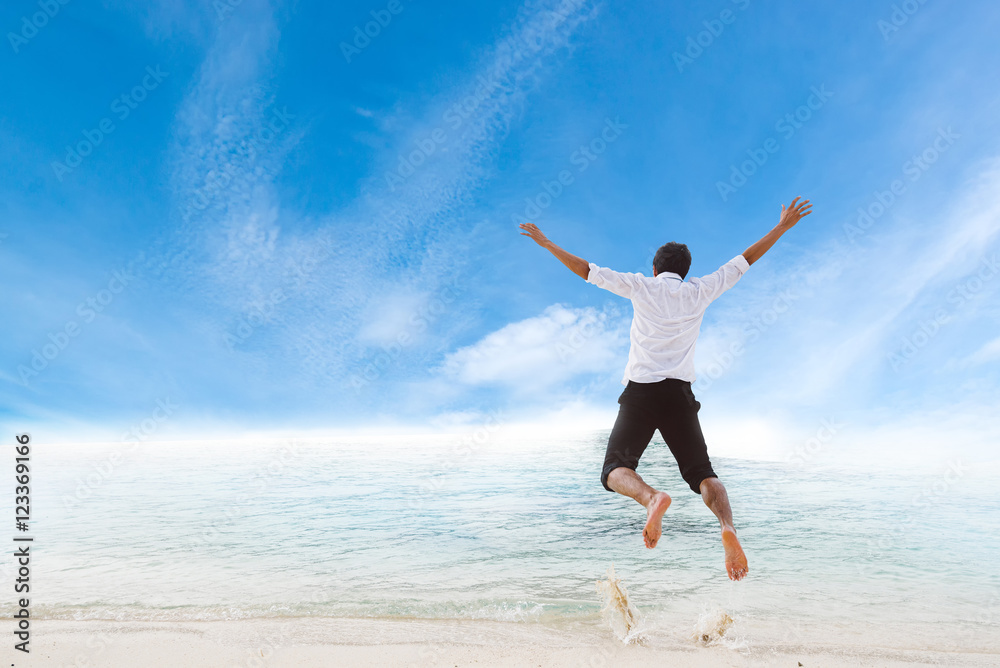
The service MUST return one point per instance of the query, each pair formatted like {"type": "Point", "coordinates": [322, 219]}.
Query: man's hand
{"type": "Point", "coordinates": [789, 216]}
{"type": "Point", "coordinates": [794, 213]}
{"type": "Point", "coordinates": [531, 230]}
{"type": "Point", "coordinates": [577, 265]}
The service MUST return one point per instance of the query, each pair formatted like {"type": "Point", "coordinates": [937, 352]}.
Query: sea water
{"type": "Point", "coordinates": [516, 531]}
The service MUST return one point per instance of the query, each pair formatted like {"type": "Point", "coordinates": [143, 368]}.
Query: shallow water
{"type": "Point", "coordinates": [512, 531]}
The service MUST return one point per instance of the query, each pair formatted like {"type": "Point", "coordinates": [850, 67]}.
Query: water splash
{"type": "Point", "coordinates": [711, 626]}
{"type": "Point", "coordinates": [622, 616]}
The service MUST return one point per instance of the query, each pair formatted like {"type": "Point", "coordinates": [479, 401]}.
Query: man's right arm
{"type": "Point", "coordinates": [789, 216]}
{"type": "Point", "coordinates": [577, 265]}
{"type": "Point", "coordinates": [614, 281]}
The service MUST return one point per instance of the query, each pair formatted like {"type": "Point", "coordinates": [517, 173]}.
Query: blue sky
{"type": "Point", "coordinates": [272, 231]}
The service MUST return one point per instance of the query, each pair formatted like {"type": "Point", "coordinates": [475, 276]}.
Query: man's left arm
{"type": "Point", "coordinates": [790, 215]}
{"type": "Point", "coordinates": [710, 287]}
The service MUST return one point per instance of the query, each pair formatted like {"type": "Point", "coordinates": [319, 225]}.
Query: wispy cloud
{"type": "Point", "coordinates": [849, 301]}
{"type": "Point", "coordinates": [400, 231]}
{"type": "Point", "coordinates": [990, 352]}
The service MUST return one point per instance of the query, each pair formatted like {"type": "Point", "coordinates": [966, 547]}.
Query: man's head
{"type": "Point", "coordinates": [673, 257]}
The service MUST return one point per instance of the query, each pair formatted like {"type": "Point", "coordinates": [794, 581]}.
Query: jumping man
{"type": "Point", "coordinates": [667, 316]}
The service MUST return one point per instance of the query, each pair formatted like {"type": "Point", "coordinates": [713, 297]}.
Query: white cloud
{"type": "Point", "coordinates": [544, 350]}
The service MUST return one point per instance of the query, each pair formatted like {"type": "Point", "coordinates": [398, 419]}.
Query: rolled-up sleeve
{"type": "Point", "coordinates": [712, 286]}
{"type": "Point", "coordinates": [621, 284]}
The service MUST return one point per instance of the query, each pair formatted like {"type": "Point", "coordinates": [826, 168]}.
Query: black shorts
{"type": "Point", "coordinates": [668, 405]}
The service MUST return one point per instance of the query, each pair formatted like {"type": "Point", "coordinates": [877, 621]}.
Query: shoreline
{"type": "Point", "coordinates": [325, 641]}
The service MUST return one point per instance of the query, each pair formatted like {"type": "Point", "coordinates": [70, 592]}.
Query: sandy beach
{"type": "Point", "coordinates": [420, 643]}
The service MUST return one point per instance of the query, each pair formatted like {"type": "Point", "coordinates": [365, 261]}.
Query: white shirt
{"type": "Point", "coordinates": [667, 316]}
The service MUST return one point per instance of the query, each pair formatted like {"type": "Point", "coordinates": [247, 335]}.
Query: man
{"type": "Point", "coordinates": [667, 316]}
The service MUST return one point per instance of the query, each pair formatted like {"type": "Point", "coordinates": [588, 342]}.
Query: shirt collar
{"type": "Point", "coordinates": [669, 274]}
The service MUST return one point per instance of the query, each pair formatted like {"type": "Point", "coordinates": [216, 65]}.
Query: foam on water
{"type": "Point", "coordinates": [711, 626]}
{"type": "Point", "coordinates": [523, 611]}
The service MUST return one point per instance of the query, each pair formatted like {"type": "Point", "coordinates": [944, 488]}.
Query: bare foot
{"type": "Point", "coordinates": [736, 561]}
{"type": "Point", "coordinates": [654, 525]}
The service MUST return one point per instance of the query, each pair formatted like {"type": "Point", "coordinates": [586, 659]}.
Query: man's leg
{"type": "Point", "coordinates": [714, 494]}
{"type": "Point", "coordinates": [632, 432]}
{"type": "Point", "coordinates": [681, 430]}
{"type": "Point", "coordinates": [627, 482]}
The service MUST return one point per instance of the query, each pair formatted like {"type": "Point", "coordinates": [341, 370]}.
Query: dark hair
{"type": "Point", "coordinates": [673, 257]}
